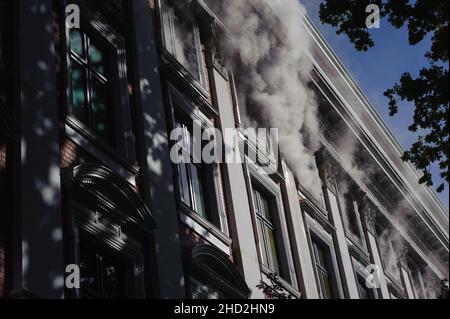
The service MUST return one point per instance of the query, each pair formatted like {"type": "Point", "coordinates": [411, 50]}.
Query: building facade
{"type": "Point", "coordinates": [87, 179]}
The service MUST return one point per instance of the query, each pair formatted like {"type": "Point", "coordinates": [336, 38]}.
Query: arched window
{"type": "Point", "coordinates": [214, 276]}
{"type": "Point", "coordinates": [110, 227]}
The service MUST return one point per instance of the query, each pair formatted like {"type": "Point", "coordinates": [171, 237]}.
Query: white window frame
{"type": "Point", "coordinates": [180, 104]}
{"type": "Point", "coordinates": [319, 233]}
{"type": "Point", "coordinates": [271, 188]}
{"type": "Point", "coordinates": [202, 81]}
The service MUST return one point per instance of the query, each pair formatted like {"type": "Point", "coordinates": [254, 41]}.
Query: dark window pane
{"type": "Point", "coordinates": [112, 277]}
{"type": "Point", "coordinates": [265, 208]}
{"type": "Point", "coordinates": [326, 285]}
{"type": "Point", "coordinates": [88, 270]}
{"type": "Point", "coordinates": [79, 97]}
{"type": "Point", "coordinates": [101, 117]}
{"type": "Point", "coordinates": [77, 43]}
{"type": "Point", "coordinates": [96, 59]}
{"type": "Point", "coordinates": [102, 276]}
{"type": "Point", "coordinates": [320, 255]}
{"type": "Point", "coordinates": [363, 290]}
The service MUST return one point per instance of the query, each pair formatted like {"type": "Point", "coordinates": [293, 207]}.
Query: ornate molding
{"type": "Point", "coordinates": [369, 214]}
{"type": "Point", "coordinates": [103, 191]}
{"type": "Point", "coordinates": [216, 48]}
{"type": "Point", "coordinates": [327, 170]}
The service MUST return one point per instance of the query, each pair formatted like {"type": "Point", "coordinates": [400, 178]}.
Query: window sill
{"type": "Point", "coordinates": [89, 142]}
{"type": "Point", "coordinates": [206, 229]}
{"type": "Point", "coordinates": [176, 67]}
{"type": "Point", "coordinates": [396, 283]}
{"type": "Point", "coordinates": [357, 247]}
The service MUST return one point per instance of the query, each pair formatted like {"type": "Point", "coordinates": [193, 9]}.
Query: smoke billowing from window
{"type": "Point", "coordinates": [267, 48]}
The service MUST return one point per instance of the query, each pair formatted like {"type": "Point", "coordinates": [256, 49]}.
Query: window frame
{"type": "Point", "coordinates": [288, 275]}
{"type": "Point", "coordinates": [357, 239]}
{"type": "Point", "coordinates": [264, 224]}
{"type": "Point", "coordinates": [396, 278]}
{"type": "Point", "coordinates": [104, 234]}
{"type": "Point", "coordinates": [97, 27]}
{"type": "Point", "coordinates": [319, 234]}
{"type": "Point", "coordinates": [202, 82]}
{"type": "Point", "coordinates": [361, 273]}
{"type": "Point", "coordinates": [182, 106]}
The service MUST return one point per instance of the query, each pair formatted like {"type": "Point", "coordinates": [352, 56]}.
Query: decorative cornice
{"type": "Point", "coordinates": [215, 44]}
{"type": "Point", "coordinates": [327, 169]}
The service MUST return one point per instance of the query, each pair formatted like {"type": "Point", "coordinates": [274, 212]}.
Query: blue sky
{"type": "Point", "coordinates": [380, 68]}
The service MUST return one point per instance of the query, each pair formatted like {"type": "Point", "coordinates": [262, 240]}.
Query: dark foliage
{"type": "Point", "coordinates": [429, 91]}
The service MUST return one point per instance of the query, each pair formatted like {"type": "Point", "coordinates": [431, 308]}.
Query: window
{"type": "Point", "coordinates": [387, 250]}
{"type": "Point", "coordinates": [352, 219]}
{"type": "Point", "coordinates": [90, 85]}
{"type": "Point", "coordinates": [192, 183]}
{"type": "Point", "coordinates": [102, 275]}
{"type": "Point", "coordinates": [364, 291]}
{"type": "Point", "coordinates": [198, 182]}
{"type": "Point", "coordinates": [111, 226]}
{"type": "Point", "coordinates": [99, 91]}
{"type": "Point", "coordinates": [266, 232]}
{"type": "Point", "coordinates": [182, 40]}
{"type": "Point", "coordinates": [324, 269]}
{"type": "Point", "coordinates": [417, 279]}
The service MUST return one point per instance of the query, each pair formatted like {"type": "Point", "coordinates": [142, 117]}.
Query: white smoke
{"type": "Point", "coordinates": [268, 49]}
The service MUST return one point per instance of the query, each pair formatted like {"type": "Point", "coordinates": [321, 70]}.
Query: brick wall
{"type": "Point", "coordinates": [71, 155]}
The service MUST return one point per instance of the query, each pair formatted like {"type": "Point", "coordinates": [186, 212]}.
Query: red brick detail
{"type": "Point", "coordinates": [72, 155]}
{"type": "Point", "coordinates": [2, 231]}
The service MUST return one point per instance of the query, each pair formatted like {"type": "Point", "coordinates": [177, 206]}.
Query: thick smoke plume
{"type": "Point", "coordinates": [268, 50]}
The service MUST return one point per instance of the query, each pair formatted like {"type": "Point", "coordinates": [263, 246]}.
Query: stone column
{"type": "Point", "coordinates": [368, 214]}
{"type": "Point", "coordinates": [37, 254]}
{"type": "Point", "coordinates": [300, 247]}
{"type": "Point", "coordinates": [241, 225]}
{"type": "Point", "coordinates": [157, 176]}
{"type": "Point", "coordinates": [328, 175]}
